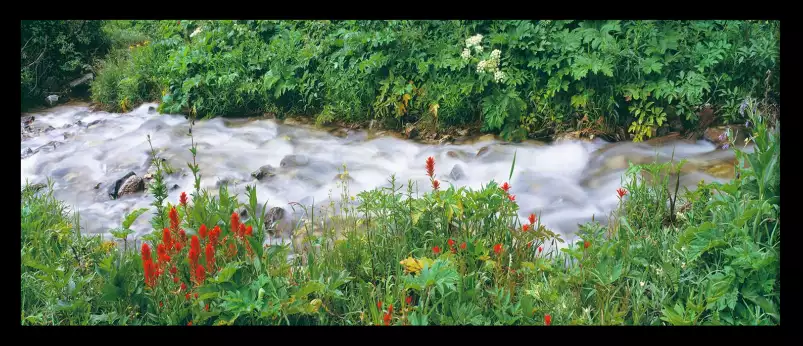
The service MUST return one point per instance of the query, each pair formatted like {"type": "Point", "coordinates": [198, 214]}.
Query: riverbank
{"type": "Point", "coordinates": [450, 256]}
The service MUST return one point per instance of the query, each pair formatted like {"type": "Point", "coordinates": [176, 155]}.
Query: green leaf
{"type": "Point", "coordinates": [131, 217]}
{"type": "Point", "coordinates": [226, 273]}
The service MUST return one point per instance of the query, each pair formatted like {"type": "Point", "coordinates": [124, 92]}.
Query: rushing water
{"type": "Point", "coordinates": [566, 183]}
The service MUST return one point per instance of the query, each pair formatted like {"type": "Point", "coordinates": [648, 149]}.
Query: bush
{"type": "Point", "coordinates": [54, 52]}
{"type": "Point", "coordinates": [519, 78]}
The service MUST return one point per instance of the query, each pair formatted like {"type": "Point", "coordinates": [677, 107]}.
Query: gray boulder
{"type": "Point", "coordinates": [457, 173]}
{"type": "Point", "coordinates": [294, 161]}
{"type": "Point", "coordinates": [52, 100]}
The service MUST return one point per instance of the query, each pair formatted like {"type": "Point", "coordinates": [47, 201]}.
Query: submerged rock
{"type": "Point", "coordinates": [294, 161]}
{"type": "Point", "coordinates": [457, 173]}
{"type": "Point", "coordinates": [266, 171]}
{"type": "Point", "coordinates": [719, 135]}
{"type": "Point", "coordinates": [115, 187]}
{"type": "Point", "coordinates": [52, 100]}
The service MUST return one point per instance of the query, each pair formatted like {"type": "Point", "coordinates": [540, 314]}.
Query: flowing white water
{"type": "Point", "coordinates": [565, 183]}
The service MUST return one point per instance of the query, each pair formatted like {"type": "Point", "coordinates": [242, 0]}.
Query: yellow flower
{"type": "Point", "coordinates": [412, 265]}
{"type": "Point", "coordinates": [316, 304]}
{"type": "Point", "coordinates": [107, 246]}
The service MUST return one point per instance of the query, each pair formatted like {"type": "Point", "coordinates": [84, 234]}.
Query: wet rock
{"type": "Point", "coordinates": [148, 176]}
{"type": "Point", "coordinates": [50, 146]}
{"type": "Point", "coordinates": [453, 154]}
{"type": "Point", "coordinates": [457, 173]}
{"type": "Point", "coordinates": [572, 136]}
{"type": "Point", "coordinates": [94, 123]}
{"type": "Point", "coordinates": [274, 216]}
{"type": "Point", "coordinates": [340, 133]}
{"type": "Point", "coordinates": [462, 132]}
{"type": "Point", "coordinates": [27, 152]}
{"type": "Point", "coordinates": [151, 110]}
{"type": "Point", "coordinates": [410, 131]}
{"type": "Point", "coordinates": [486, 138]}
{"type": "Point", "coordinates": [28, 120]}
{"type": "Point", "coordinates": [114, 188]}
{"type": "Point", "coordinates": [174, 187]}
{"type": "Point", "coordinates": [266, 171]}
{"type": "Point", "coordinates": [66, 135]}
{"type": "Point", "coordinates": [52, 100]}
{"type": "Point", "coordinates": [445, 139]}
{"type": "Point", "coordinates": [482, 151]}
{"type": "Point", "coordinates": [83, 80]}
{"type": "Point", "coordinates": [294, 161]}
{"type": "Point", "coordinates": [131, 186]}
{"type": "Point", "coordinates": [719, 135]}
{"type": "Point", "coordinates": [97, 186]}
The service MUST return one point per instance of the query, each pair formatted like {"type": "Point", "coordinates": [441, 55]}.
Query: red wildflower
{"type": "Point", "coordinates": [386, 319]}
{"type": "Point", "coordinates": [506, 187]}
{"type": "Point", "coordinates": [512, 198]}
{"type": "Point", "coordinates": [167, 239]}
{"type": "Point", "coordinates": [161, 304]}
{"type": "Point", "coordinates": [207, 307]}
{"type": "Point", "coordinates": [149, 270]}
{"type": "Point", "coordinates": [175, 279]}
{"type": "Point", "coordinates": [200, 274]}
{"type": "Point", "coordinates": [409, 300]}
{"type": "Point", "coordinates": [195, 251]}
{"type": "Point", "coordinates": [530, 244]}
{"type": "Point", "coordinates": [436, 249]}
{"type": "Point", "coordinates": [540, 248]}
{"type": "Point", "coordinates": [532, 219]}
{"type": "Point", "coordinates": [498, 248]}
{"type": "Point", "coordinates": [173, 219]}
{"type": "Point", "coordinates": [235, 223]}
{"type": "Point", "coordinates": [436, 184]}
{"type": "Point", "coordinates": [190, 322]}
{"type": "Point", "coordinates": [249, 230]}
{"type": "Point", "coordinates": [182, 237]}
{"type": "Point", "coordinates": [241, 230]}
{"type": "Point", "coordinates": [214, 235]}
{"type": "Point", "coordinates": [146, 252]}
{"type": "Point", "coordinates": [210, 256]}
{"type": "Point", "coordinates": [621, 192]}
{"type": "Point", "coordinates": [431, 167]}
{"type": "Point", "coordinates": [183, 199]}
{"type": "Point", "coordinates": [450, 242]}
{"type": "Point", "coordinates": [547, 319]}
{"type": "Point", "coordinates": [390, 309]}
{"type": "Point", "coordinates": [232, 250]}
{"type": "Point", "coordinates": [173, 270]}
{"type": "Point", "coordinates": [184, 287]}
{"type": "Point", "coordinates": [525, 228]}
{"type": "Point", "coordinates": [379, 305]}
{"type": "Point", "coordinates": [586, 244]}
{"type": "Point", "coordinates": [463, 246]}
{"type": "Point", "coordinates": [202, 231]}
{"type": "Point", "coordinates": [187, 296]}
{"type": "Point", "coordinates": [196, 295]}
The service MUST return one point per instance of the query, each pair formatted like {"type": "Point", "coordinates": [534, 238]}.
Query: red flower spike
{"type": "Point", "coordinates": [161, 304]}
{"type": "Point", "coordinates": [210, 256]}
{"type": "Point", "coordinates": [436, 249]}
{"type": "Point", "coordinates": [436, 185]}
{"type": "Point", "coordinates": [214, 235]}
{"type": "Point", "coordinates": [146, 252]}
{"type": "Point", "coordinates": [184, 287]}
{"type": "Point", "coordinates": [183, 199]}
{"type": "Point", "coordinates": [200, 274]}
{"type": "Point", "coordinates": [386, 319]}
{"type": "Point", "coordinates": [175, 279]}
{"type": "Point", "coordinates": [195, 251]}
{"type": "Point", "coordinates": [249, 231]}
{"type": "Point", "coordinates": [409, 300]}
{"type": "Point", "coordinates": [173, 270]}
{"type": "Point", "coordinates": [498, 249]}
{"type": "Point", "coordinates": [390, 309]}
{"type": "Point", "coordinates": [173, 219]}
{"type": "Point", "coordinates": [196, 295]}
{"type": "Point", "coordinates": [379, 305]}
{"type": "Point", "coordinates": [540, 248]}
{"type": "Point", "coordinates": [506, 187]}
{"type": "Point", "coordinates": [547, 319]}
{"type": "Point", "coordinates": [187, 296]}
{"type": "Point", "coordinates": [512, 198]}
{"type": "Point", "coordinates": [431, 167]}
{"type": "Point", "coordinates": [182, 237]}
{"type": "Point", "coordinates": [586, 244]}
{"type": "Point", "coordinates": [450, 242]}
{"type": "Point", "coordinates": [621, 192]}
{"type": "Point", "coordinates": [235, 223]}
{"type": "Point", "coordinates": [532, 219]}
{"type": "Point", "coordinates": [241, 230]}
{"type": "Point", "coordinates": [202, 231]}
{"type": "Point", "coordinates": [167, 239]}
{"type": "Point", "coordinates": [463, 246]}
{"type": "Point", "coordinates": [207, 307]}
{"type": "Point", "coordinates": [525, 228]}
{"type": "Point", "coordinates": [189, 323]}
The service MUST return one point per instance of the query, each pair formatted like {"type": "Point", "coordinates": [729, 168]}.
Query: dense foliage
{"type": "Point", "coordinates": [54, 52]}
{"type": "Point", "coordinates": [520, 78]}
{"type": "Point", "coordinates": [455, 256]}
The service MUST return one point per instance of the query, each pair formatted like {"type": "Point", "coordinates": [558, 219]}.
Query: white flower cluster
{"type": "Point", "coordinates": [196, 32]}
{"type": "Point", "coordinates": [466, 54]}
{"type": "Point", "coordinates": [474, 41]}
